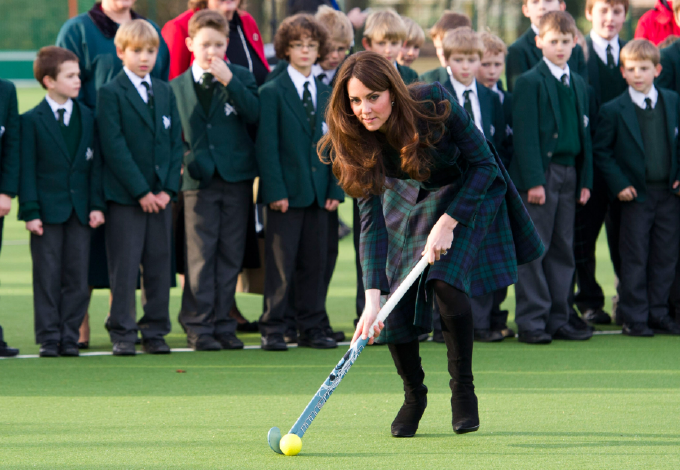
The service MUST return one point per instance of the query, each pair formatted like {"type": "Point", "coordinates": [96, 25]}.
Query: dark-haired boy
{"type": "Point", "coordinates": [604, 75]}
{"type": "Point", "coordinates": [552, 169]}
{"type": "Point", "coordinates": [385, 33]}
{"type": "Point", "coordinates": [638, 151]}
{"type": "Point", "coordinates": [10, 141]}
{"type": "Point", "coordinates": [296, 186]}
{"type": "Point", "coordinates": [524, 54]}
{"type": "Point", "coordinates": [216, 102]}
{"type": "Point", "coordinates": [141, 141]}
{"type": "Point", "coordinates": [60, 199]}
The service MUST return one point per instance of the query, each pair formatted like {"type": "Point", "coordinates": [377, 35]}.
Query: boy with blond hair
{"type": "Point", "coordinates": [60, 199]}
{"type": "Point", "coordinates": [340, 38]}
{"type": "Point", "coordinates": [449, 21]}
{"type": "Point", "coordinates": [638, 151]}
{"type": "Point", "coordinates": [552, 169]}
{"type": "Point", "coordinates": [141, 139]}
{"type": "Point", "coordinates": [523, 54]}
{"type": "Point", "coordinates": [415, 38]}
{"type": "Point", "coordinates": [385, 33]}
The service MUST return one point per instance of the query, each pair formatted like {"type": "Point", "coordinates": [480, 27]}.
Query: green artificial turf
{"type": "Point", "coordinates": [612, 402]}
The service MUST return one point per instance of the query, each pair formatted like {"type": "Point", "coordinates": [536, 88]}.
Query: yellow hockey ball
{"type": "Point", "coordinates": [291, 444]}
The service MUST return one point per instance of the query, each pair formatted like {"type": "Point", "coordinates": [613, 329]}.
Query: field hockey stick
{"type": "Point", "coordinates": [337, 374]}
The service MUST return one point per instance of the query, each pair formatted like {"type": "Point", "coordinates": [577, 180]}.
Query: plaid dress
{"type": "Point", "coordinates": [468, 182]}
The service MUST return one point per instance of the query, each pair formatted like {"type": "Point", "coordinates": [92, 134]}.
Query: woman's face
{"type": "Point", "coordinates": [225, 7]}
{"type": "Point", "coordinates": [118, 5]}
{"type": "Point", "coordinates": [372, 108]}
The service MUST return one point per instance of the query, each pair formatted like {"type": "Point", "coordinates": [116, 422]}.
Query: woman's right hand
{"type": "Point", "coordinates": [368, 318]}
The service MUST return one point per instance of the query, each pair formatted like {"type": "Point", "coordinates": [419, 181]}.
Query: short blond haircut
{"type": "Point", "coordinates": [448, 21]}
{"type": "Point", "coordinates": [336, 22]}
{"type": "Point", "coordinates": [640, 49]}
{"type": "Point", "coordinates": [136, 33]}
{"type": "Point", "coordinates": [558, 21]}
{"type": "Point", "coordinates": [386, 24]}
{"type": "Point", "coordinates": [415, 36]}
{"type": "Point", "coordinates": [462, 41]}
{"type": "Point", "coordinates": [493, 44]}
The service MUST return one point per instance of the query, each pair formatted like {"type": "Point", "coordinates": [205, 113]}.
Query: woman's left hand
{"type": "Point", "coordinates": [440, 239]}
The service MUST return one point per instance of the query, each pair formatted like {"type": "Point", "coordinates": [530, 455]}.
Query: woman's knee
{"type": "Point", "coordinates": [452, 301]}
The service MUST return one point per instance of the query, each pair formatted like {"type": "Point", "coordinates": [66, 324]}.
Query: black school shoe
{"type": "Point", "coordinates": [664, 326]}
{"type": "Point", "coordinates": [155, 346]}
{"type": "Point", "coordinates": [597, 316]}
{"type": "Point", "coordinates": [534, 337]}
{"type": "Point", "coordinates": [49, 349]}
{"type": "Point", "coordinates": [338, 336]}
{"type": "Point", "coordinates": [488, 336]}
{"type": "Point", "coordinates": [569, 333]}
{"type": "Point", "coordinates": [124, 348]}
{"type": "Point", "coordinates": [6, 351]}
{"type": "Point", "coordinates": [203, 343]}
{"type": "Point", "coordinates": [637, 329]}
{"type": "Point", "coordinates": [316, 338]}
{"type": "Point", "coordinates": [290, 336]}
{"type": "Point", "coordinates": [273, 342]}
{"type": "Point", "coordinates": [229, 341]}
{"type": "Point", "coordinates": [69, 350]}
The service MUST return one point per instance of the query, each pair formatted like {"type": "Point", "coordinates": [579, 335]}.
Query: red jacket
{"type": "Point", "coordinates": [176, 31]}
{"type": "Point", "coordinates": [657, 24]}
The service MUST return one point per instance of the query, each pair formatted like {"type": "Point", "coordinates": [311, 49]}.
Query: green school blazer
{"type": "Point", "coordinates": [440, 74]}
{"type": "Point", "coordinates": [218, 142]}
{"type": "Point", "coordinates": [537, 126]}
{"type": "Point", "coordinates": [54, 183]}
{"type": "Point", "coordinates": [10, 139]}
{"type": "Point", "coordinates": [523, 55]}
{"type": "Point", "coordinates": [285, 147]}
{"type": "Point", "coordinates": [618, 148]}
{"type": "Point", "coordinates": [670, 73]}
{"type": "Point", "coordinates": [141, 154]}
{"type": "Point", "coordinates": [407, 74]}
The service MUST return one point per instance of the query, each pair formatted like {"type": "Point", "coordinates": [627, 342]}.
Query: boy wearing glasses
{"type": "Point", "coordinates": [297, 188]}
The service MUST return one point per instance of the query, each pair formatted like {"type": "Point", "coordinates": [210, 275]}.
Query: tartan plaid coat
{"type": "Point", "coordinates": [468, 182]}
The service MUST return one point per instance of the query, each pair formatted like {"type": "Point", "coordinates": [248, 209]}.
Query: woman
{"type": "Point", "coordinates": [90, 36]}
{"type": "Point", "coordinates": [429, 185]}
{"type": "Point", "coordinates": [245, 42]}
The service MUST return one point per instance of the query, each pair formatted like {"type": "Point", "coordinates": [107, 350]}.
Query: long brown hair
{"type": "Point", "coordinates": [413, 127]}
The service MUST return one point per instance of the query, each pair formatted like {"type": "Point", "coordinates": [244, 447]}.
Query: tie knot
{"type": "Point", "coordinates": [609, 48]}
{"type": "Point", "coordinates": [648, 103]}
{"type": "Point", "coordinates": [207, 80]}
{"type": "Point", "coordinates": [565, 80]}
{"type": "Point", "coordinates": [306, 86]}
{"type": "Point", "coordinates": [146, 85]}
{"type": "Point", "coordinates": [62, 113]}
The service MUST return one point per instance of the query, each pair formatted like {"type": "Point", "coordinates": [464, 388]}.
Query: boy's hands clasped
{"type": "Point", "coordinates": [154, 203]}
{"type": "Point", "coordinates": [536, 195]}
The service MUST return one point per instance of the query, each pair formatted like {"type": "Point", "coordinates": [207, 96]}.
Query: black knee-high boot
{"type": "Point", "coordinates": [458, 332]}
{"type": "Point", "coordinates": [407, 359]}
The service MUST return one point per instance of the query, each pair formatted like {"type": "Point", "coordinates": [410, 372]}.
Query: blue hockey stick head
{"type": "Point", "coordinates": [274, 438]}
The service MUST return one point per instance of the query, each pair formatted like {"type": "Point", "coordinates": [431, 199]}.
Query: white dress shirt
{"type": "Point", "coordinates": [299, 81]}
{"type": "Point", "coordinates": [600, 47]}
{"type": "Point", "coordinates": [459, 88]}
{"type": "Point", "coordinates": [329, 74]}
{"type": "Point", "coordinates": [137, 82]}
{"type": "Point", "coordinates": [558, 72]}
{"type": "Point", "coordinates": [535, 28]}
{"type": "Point", "coordinates": [497, 90]}
{"type": "Point", "coordinates": [639, 98]}
{"type": "Point", "coordinates": [68, 106]}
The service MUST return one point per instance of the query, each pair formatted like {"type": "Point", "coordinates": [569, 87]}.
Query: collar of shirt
{"type": "Point", "coordinates": [534, 28]}
{"type": "Point", "coordinates": [299, 81]}
{"type": "Point", "coordinates": [198, 72]}
{"type": "Point", "coordinates": [68, 106]}
{"type": "Point", "coordinates": [600, 46]}
{"type": "Point", "coordinates": [459, 88]}
{"type": "Point", "coordinates": [137, 82]}
{"type": "Point", "coordinates": [329, 74]}
{"type": "Point", "coordinates": [639, 98]}
{"type": "Point", "coordinates": [497, 90]}
{"type": "Point", "coordinates": [558, 72]}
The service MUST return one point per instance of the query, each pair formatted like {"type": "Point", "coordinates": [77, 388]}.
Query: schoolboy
{"type": "Point", "coordinates": [141, 140]}
{"type": "Point", "coordinates": [463, 51]}
{"type": "Point", "coordinates": [448, 21]}
{"type": "Point", "coordinates": [9, 167]}
{"type": "Point", "coordinates": [415, 38]}
{"type": "Point", "coordinates": [60, 199]}
{"type": "Point", "coordinates": [637, 148]}
{"type": "Point", "coordinates": [489, 73]}
{"type": "Point", "coordinates": [385, 33]}
{"type": "Point", "coordinates": [296, 186]}
{"type": "Point", "coordinates": [340, 37]}
{"type": "Point", "coordinates": [523, 54]}
{"type": "Point", "coordinates": [216, 101]}
{"type": "Point", "coordinates": [552, 169]}
{"type": "Point", "coordinates": [604, 76]}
